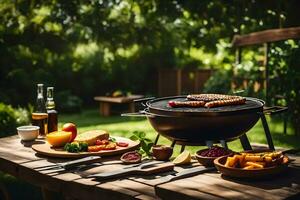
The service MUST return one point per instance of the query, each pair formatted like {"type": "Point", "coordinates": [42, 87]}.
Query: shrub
{"type": "Point", "coordinates": [67, 102]}
{"type": "Point", "coordinates": [8, 122]}
{"type": "Point", "coordinates": [10, 118]}
{"type": "Point", "coordinates": [219, 82]}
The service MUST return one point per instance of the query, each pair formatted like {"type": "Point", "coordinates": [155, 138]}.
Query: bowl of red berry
{"type": "Point", "coordinates": [207, 156]}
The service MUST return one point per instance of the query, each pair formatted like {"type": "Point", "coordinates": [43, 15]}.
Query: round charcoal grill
{"type": "Point", "coordinates": [199, 125]}
{"type": "Point", "coordinates": [160, 106]}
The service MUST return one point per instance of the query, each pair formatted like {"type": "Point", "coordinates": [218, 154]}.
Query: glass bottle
{"type": "Point", "coordinates": [52, 113]}
{"type": "Point", "coordinates": [39, 116]}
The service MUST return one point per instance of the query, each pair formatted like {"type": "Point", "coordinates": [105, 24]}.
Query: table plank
{"type": "Point", "coordinates": [219, 186]}
{"type": "Point", "coordinates": [22, 162]}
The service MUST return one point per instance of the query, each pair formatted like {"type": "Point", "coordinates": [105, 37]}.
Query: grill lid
{"type": "Point", "coordinates": [160, 106]}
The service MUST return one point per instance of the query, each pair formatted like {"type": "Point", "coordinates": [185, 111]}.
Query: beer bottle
{"type": "Point", "coordinates": [52, 113]}
{"type": "Point", "coordinates": [39, 116]}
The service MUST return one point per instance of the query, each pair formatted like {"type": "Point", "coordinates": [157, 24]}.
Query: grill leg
{"type": "Point", "coordinates": [267, 131]}
{"type": "Point", "coordinates": [245, 142]}
{"type": "Point", "coordinates": [156, 139]}
{"type": "Point", "coordinates": [173, 143]}
{"type": "Point", "coordinates": [182, 148]}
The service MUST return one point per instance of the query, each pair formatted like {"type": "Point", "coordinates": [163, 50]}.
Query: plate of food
{"type": "Point", "coordinates": [252, 164]}
{"type": "Point", "coordinates": [94, 142]}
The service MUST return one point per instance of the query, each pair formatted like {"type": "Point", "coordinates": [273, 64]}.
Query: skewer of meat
{"type": "Point", "coordinates": [236, 101]}
{"type": "Point", "coordinates": [194, 104]}
{"type": "Point", "coordinates": [210, 97]}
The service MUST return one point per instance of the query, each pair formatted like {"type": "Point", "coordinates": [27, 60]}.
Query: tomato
{"type": "Point", "coordinates": [122, 144]}
{"type": "Point", "coordinates": [70, 127]}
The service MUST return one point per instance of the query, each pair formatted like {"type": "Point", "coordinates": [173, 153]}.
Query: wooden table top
{"type": "Point", "coordinates": [126, 99]}
{"type": "Point", "coordinates": [18, 159]}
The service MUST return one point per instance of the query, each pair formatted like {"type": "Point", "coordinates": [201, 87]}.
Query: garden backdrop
{"type": "Point", "coordinates": [86, 48]}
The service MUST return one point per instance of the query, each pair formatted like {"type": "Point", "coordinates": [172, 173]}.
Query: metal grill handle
{"type": "Point", "coordinates": [274, 110]}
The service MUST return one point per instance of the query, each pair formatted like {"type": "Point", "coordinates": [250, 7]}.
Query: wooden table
{"type": "Point", "coordinates": [19, 160]}
{"type": "Point", "coordinates": [106, 102]}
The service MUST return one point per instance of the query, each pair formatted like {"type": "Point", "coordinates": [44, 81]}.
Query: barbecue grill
{"type": "Point", "coordinates": [201, 125]}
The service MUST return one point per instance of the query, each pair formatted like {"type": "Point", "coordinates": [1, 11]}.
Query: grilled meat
{"type": "Point", "coordinates": [194, 104]}
{"type": "Point", "coordinates": [235, 101]}
{"type": "Point", "coordinates": [210, 97]}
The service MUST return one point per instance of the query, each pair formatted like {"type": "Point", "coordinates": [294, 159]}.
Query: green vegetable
{"type": "Point", "coordinates": [146, 143]}
{"type": "Point", "coordinates": [83, 146]}
{"type": "Point", "coordinates": [112, 139]}
{"type": "Point", "coordinates": [76, 147]}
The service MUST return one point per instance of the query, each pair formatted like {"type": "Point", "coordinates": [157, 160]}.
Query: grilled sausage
{"type": "Point", "coordinates": [236, 101]}
{"type": "Point", "coordinates": [210, 97]}
{"type": "Point", "coordinates": [195, 104]}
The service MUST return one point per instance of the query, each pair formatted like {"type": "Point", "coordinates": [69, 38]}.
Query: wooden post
{"type": "Point", "coordinates": [159, 82]}
{"type": "Point", "coordinates": [238, 59]}
{"type": "Point", "coordinates": [196, 82]}
{"type": "Point", "coordinates": [267, 78]}
{"type": "Point", "coordinates": [179, 84]}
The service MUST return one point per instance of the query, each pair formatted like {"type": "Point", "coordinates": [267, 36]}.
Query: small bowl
{"type": "Point", "coordinates": [137, 159]}
{"type": "Point", "coordinates": [206, 161]}
{"type": "Point", "coordinates": [28, 133]}
{"type": "Point", "coordinates": [161, 152]}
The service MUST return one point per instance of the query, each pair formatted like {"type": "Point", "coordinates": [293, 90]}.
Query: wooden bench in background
{"type": "Point", "coordinates": [106, 102]}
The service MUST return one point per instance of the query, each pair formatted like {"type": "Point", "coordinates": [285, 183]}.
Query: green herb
{"type": "Point", "coordinates": [145, 143]}
{"type": "Point", "coordinates": [112, 139]}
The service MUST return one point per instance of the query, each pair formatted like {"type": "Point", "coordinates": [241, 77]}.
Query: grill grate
{"type": "Point", "coordinates": [162, 105]}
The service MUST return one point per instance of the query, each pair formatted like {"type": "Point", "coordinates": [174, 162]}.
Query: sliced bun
{"type": "Point", "coordinates": [90, 137]}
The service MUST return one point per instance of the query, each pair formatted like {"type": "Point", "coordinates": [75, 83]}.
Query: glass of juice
{"type": "Point", "coordinates": [41, 120]}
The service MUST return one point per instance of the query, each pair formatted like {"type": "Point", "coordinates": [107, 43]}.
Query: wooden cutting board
{"type": "Point", "coordinates": [46, 149]}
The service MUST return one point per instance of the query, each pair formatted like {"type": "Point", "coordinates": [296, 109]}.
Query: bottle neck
{"type": "Point", "coordinates": [40, 91]}
{"type": "Point", "coordinates": [40, 102]}
{"type": "Point", "coordinates": [50, 104]}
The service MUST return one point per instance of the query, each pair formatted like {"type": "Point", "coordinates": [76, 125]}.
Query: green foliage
{"type": "Point", "coordinates": [146, 144]}
{"type": "Point", "coordinates": [219, 82]}
{"type": "Point", "coordinates": [67, 102]}
{"type": "Point", "coordinates": [285, 78]}
{"type": "Point", "coordinates": [93, 47]}
{"type": "Point", "coordinates": [8, 121]}
{"type": "Point", "coordinates": [10, 118]}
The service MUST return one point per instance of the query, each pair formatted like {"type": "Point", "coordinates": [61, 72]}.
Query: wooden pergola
{"type": "Point", "coordinates": [264, 38]}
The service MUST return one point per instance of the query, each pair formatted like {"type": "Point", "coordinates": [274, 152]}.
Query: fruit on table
{"type": "Point", "coordinates": [70, 127]}
{"type": "Point", "coordinates": [131, 157]}
{"type": "Point", "coordinates": [117, 93]}
{"type": "Point", "coordinates": [161, 152]}
{"type": "Point", "coordinates": [183, 158]}
{"type": "Point", "coordinates": [58, 138]}
{"type": "Point", "coordinates": [92, 136]}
